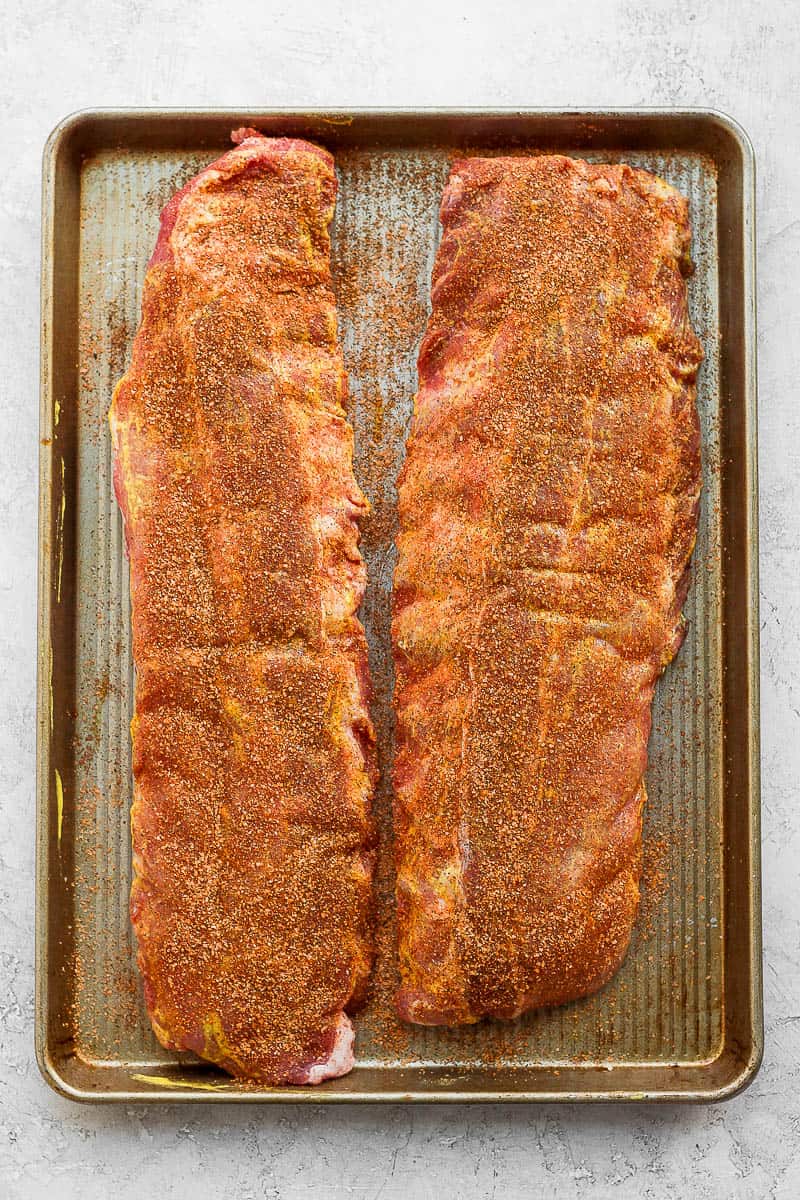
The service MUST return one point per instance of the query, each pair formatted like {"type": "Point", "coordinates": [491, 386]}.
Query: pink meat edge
{"type": "Point", "coordinates": [339, 1061]}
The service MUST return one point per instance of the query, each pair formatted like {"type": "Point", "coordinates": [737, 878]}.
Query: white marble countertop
{"type": "Point", "coordinates": [741, 57]}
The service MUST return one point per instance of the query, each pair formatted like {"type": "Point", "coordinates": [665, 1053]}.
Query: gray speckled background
{"type": "Point", "coordinates": [740, 56]}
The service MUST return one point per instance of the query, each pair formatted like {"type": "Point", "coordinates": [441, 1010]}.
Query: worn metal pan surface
{"type": "Point", "coordinates": [683, 1019]}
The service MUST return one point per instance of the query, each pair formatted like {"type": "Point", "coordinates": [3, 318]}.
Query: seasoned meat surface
{"type": "Point", "coordinates": [548, 509]}
{"type": "Point", "coordinates": [253, 749]}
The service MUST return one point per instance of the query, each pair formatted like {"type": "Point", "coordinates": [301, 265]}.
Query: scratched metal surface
{"type": "Point", "coordinates": [666, 1006]}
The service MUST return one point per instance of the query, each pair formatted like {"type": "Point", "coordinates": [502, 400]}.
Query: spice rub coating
{"type": "Point", "coordinates": [252, 743]}
{"type": "Point", "coordinates": [548, 509]}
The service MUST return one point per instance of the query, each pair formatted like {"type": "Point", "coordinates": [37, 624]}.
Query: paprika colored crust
{"type": "Point", "coordinates": [252, 743]}
{"type": "Point", "coordinates": [548, 509]}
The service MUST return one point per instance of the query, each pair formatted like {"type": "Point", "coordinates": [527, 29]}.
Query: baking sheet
{"type": "Point", "coordinates": [682, 1018]}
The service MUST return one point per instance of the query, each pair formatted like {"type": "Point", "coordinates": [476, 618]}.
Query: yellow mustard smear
{"type": "Point", "coordinates": [216, 1044]}
{"type": "Point", "coordinates": [163, 1081]}
{"type": "Point", "coordinates": [59, 804]}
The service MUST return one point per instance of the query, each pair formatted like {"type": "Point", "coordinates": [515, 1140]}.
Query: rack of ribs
{"type": "Point", "coordinates": [252, 743]}
{"type": "Point", "coordinates": [548, 509]}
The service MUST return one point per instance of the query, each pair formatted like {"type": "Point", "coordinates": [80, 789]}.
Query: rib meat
{"type": "Point", "coordinates": [548, 509]}
{"type": "Point", "coordinates": [253, 749]}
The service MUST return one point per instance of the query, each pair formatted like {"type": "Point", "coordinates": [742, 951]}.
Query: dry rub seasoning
{"type": "Point", "coordinates": [253, 747]}
{"type": "Point", "coordinates": [547, 511]}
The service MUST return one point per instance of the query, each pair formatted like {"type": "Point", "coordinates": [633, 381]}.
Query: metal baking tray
{"type": "Point", "coordinates": [683, 1018]}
